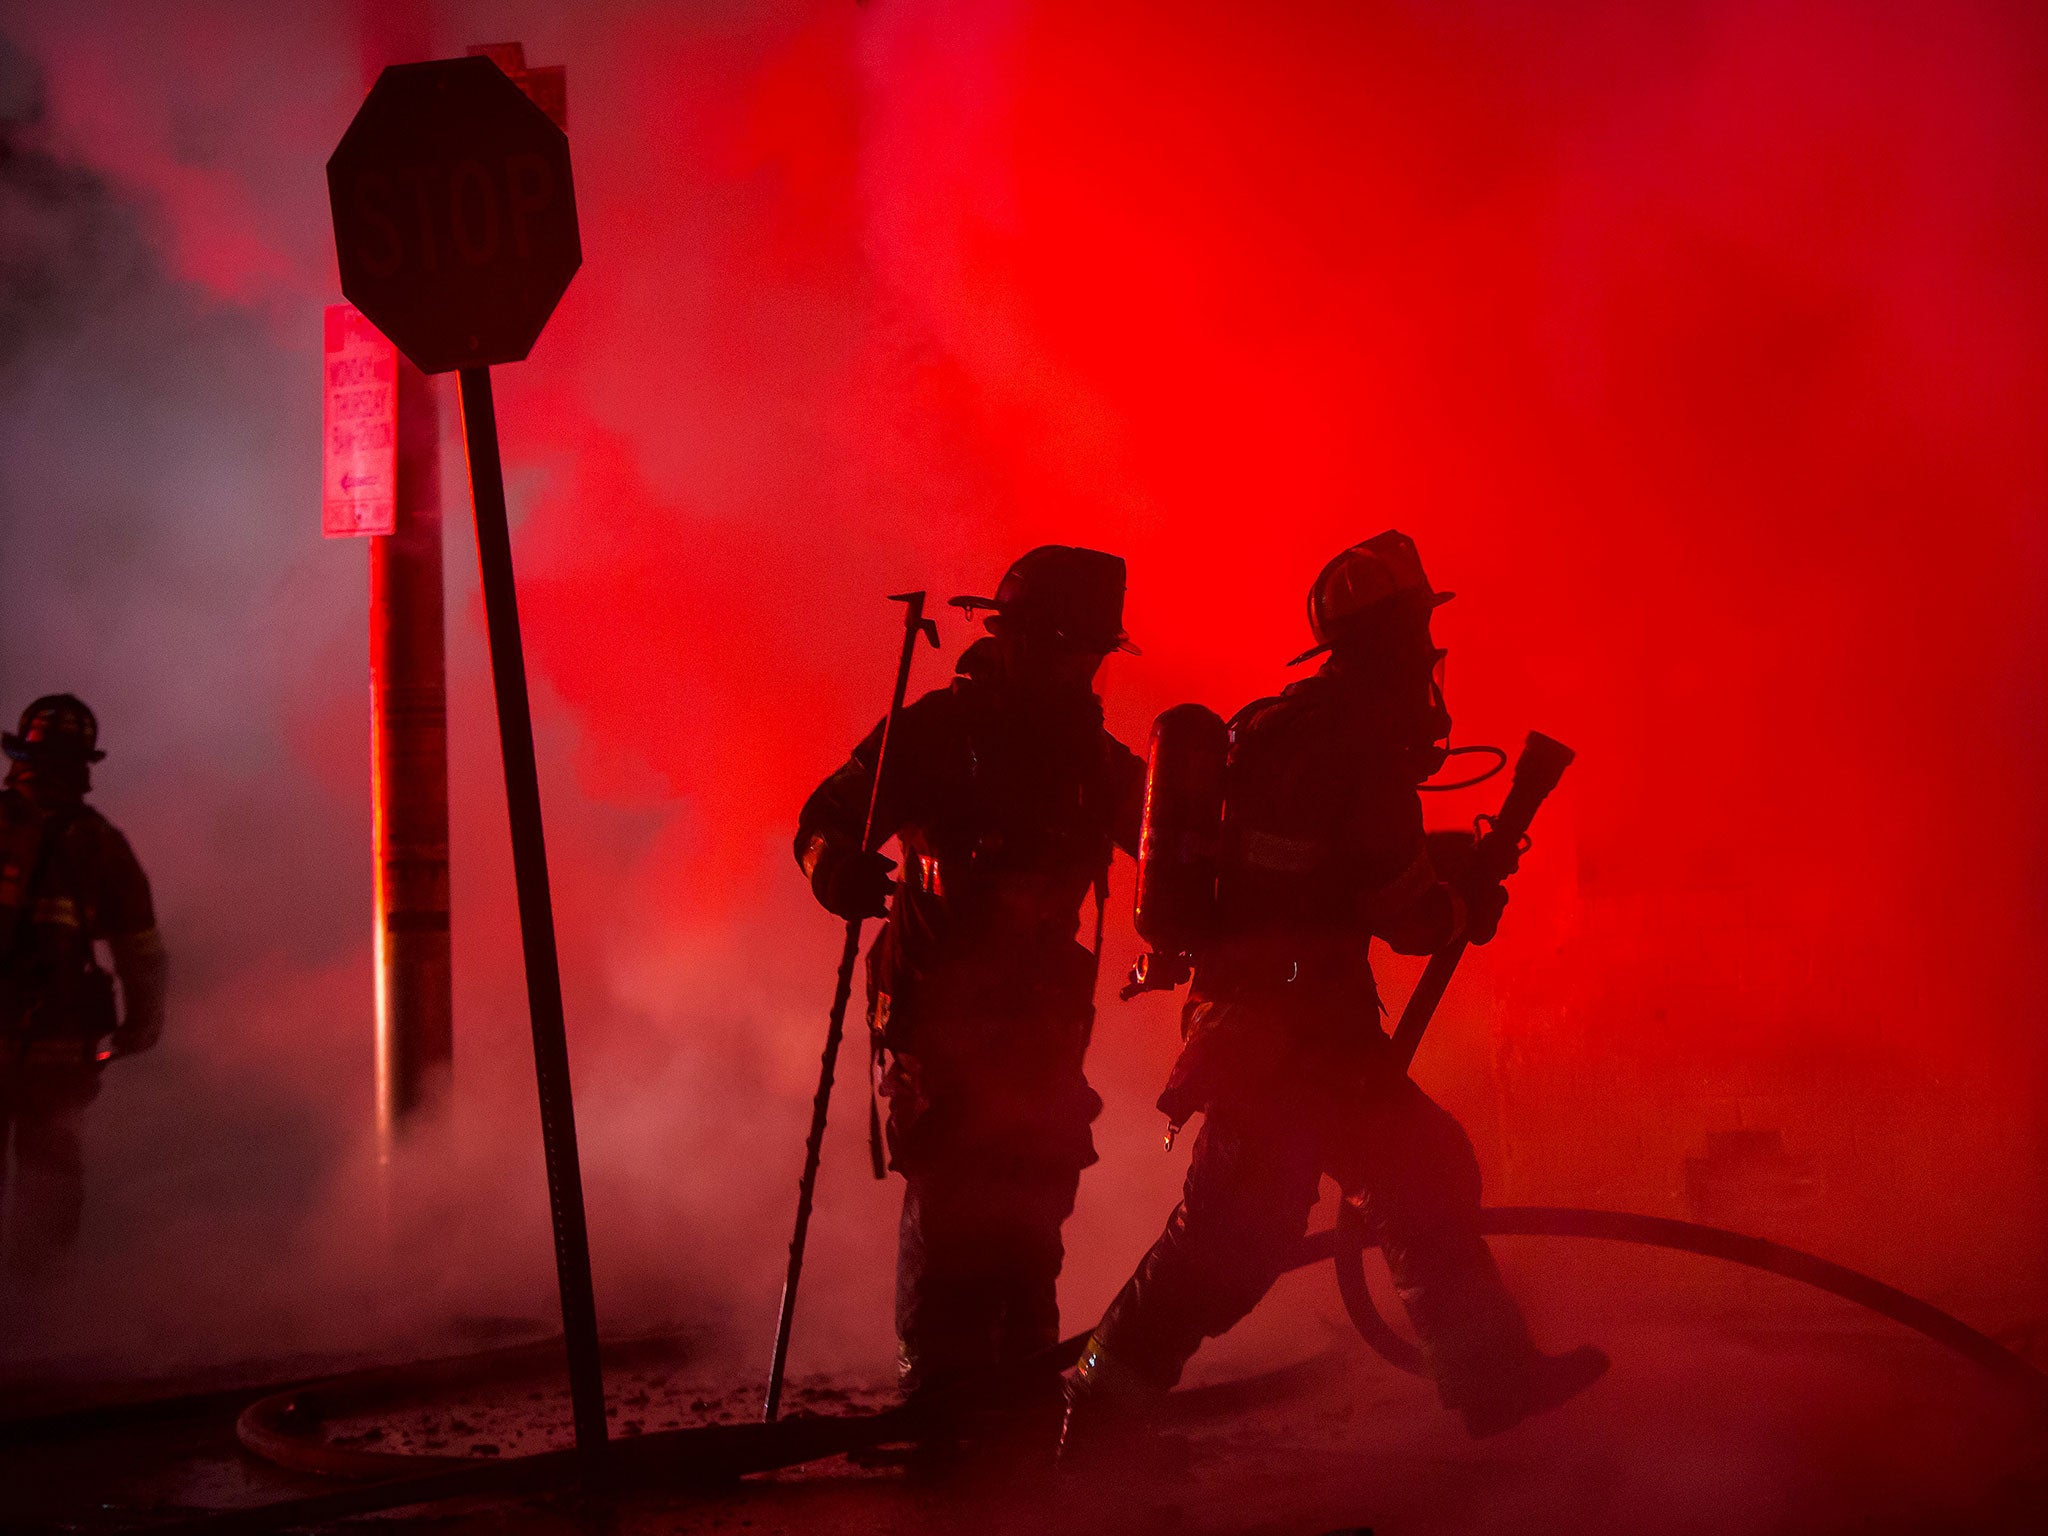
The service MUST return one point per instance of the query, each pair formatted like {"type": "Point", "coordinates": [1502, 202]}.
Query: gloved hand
{"type": "Point", "coordinates": [856, 885]}
{"type": "Point", "coordinates": [1453, 853]}
{"type": "Point", "coordinates": [1450, 853]}
{"type": "Point", "coordinates": [1483, 907]}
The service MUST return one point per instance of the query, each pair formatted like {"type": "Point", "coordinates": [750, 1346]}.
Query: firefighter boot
{"type": "Point", "coordinates": [1112, 1420]}
{"type": "Point", "coordinates": [1542, 1384]}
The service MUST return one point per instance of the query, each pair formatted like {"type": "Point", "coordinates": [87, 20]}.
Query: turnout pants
{"type": "Point", "coordinates": [1409, 1168]}
{"type": "Point", "coordinates": [977, 1267]}
{"type": "Point", "coordinates": [42, 1164]}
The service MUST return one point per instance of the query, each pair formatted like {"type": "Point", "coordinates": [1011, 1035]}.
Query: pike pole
{"type": "Point", "coordinates": [914, 625]}
{"type": "Point", "coordinates": [1498, 851]}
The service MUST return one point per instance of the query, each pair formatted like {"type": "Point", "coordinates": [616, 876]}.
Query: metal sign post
{"type": "Point", "coordinates": [536, 910]}
{"type": "Point", "coordinates": [409, 782]}
{"type": "Point", "coordinates": [455, 231]}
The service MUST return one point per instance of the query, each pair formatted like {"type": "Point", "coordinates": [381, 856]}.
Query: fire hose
{"type": "Point", "coordinates": [1346, 1245]}
{"type": "Point", "coordinates": [718, 1453]}
{"type": "Point", "coordinates": [710, 1455]}
{"type": "Point", "coordinates": [1496, 855]}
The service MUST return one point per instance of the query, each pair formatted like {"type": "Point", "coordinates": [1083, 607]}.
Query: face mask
{"type": "Point", "coordinates": [1403, 676]}
{"type": "Point", "coordinates": [1429, 748]}
{"type": "Point", "coordinates": [1041, 666]}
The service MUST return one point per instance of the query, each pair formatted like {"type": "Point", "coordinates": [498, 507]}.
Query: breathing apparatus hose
{"type": "Point", "coordinates": [1345, 1245]}
{"type": "Point", "coordinates": [1500, 761]}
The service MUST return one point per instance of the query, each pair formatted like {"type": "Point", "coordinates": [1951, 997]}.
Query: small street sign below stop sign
{"type": "Point", "coordinates": [454, 213]}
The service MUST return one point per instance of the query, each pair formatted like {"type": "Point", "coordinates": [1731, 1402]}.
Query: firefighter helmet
{"type": "Point", "coordinates": [57, 728]}
{"type": "Point", "coordinates": [1363, 585]}
{"type": "Point", "coordinates": [1074, 595]}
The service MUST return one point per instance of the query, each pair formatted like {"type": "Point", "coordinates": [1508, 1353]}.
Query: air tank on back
{"type": "Point", "coordinates": [1177, 847]}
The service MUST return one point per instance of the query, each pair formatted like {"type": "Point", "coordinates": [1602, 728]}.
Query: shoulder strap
{"type": "Point", "coordinates": [1251, 712]}
{"type": "Point", "coordinates": [55, 825]}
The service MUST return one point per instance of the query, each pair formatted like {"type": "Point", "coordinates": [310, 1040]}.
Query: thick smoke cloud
{"type": "Point", "coordinates": [1701, 349]}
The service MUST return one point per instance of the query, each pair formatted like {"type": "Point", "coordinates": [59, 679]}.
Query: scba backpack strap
{"type": "Point", "coordinates": [62, 1014]}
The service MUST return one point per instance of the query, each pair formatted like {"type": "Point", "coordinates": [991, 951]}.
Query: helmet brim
{"type": "Point", "coordinates": [1122, 642]}
{"type": "Point", "coordinates": [27, 752]}
{"type": "Point", "coordinates": [1436, 600]}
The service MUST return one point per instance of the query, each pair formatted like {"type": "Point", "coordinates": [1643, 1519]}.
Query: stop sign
{"type": "Point", "coordinates": [454, 213]}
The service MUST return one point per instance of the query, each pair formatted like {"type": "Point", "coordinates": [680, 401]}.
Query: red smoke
{"type": "Point", "coordinates": [1702, 354]}
{"type": "Point", "coordinates": [1702, 348]}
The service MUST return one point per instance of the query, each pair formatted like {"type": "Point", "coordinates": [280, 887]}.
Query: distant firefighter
{"type": "Point", "coordinates": [1322, 850]}
{"type": "Point", "coordinates": [68, 882]}
{"type": "Point", "coordinates": [1008, 796]}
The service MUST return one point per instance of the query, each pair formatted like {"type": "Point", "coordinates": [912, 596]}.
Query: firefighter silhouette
{"type": "Point", "coordinates": [68, 883]}
{"type": "Point", "coordinates": [1007, 795]}
{"type": "Point", "coordinates": [1322, 850]}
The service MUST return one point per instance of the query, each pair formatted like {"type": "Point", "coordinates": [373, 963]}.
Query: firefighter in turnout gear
{"type": "Point", "coordinates": [1007, 796]}
{"type": "Point", "coordinates": [68, 883]}
{"type": "Point", "coordinates": [1323, 850]}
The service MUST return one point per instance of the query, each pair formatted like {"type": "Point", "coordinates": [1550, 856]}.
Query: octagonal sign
{"type": "Point", "coordinates": [454, 213]}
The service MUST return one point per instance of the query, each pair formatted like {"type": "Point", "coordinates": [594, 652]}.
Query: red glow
{"type": "Point", "coordinates": [1702, 347]}
{"type": "Point", "coordinates": [1702, 357]}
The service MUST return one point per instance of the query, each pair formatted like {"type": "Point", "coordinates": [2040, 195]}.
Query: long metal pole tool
{"type": "Point", "coordinates": [914, 624]}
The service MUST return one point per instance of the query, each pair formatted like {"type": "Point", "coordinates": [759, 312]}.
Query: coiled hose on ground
{"type": "Point", "coordinates": [721, 1452]}
{"type": "Point", "coordinates": [1345, 1244]}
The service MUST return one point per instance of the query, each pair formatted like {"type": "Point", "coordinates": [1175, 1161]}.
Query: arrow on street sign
{"type": "Point", "coordinates": [358, 427]}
